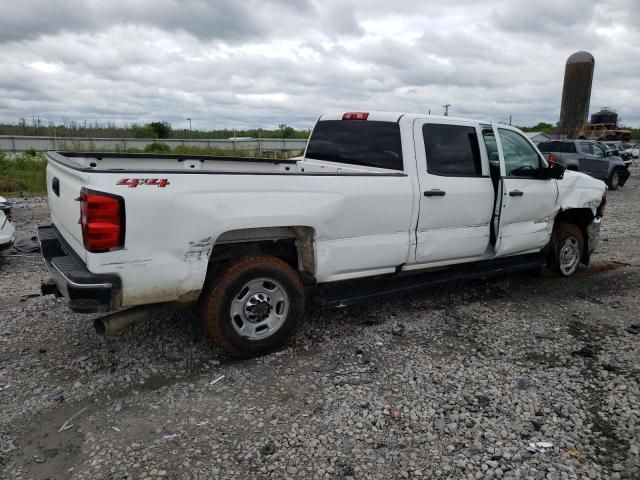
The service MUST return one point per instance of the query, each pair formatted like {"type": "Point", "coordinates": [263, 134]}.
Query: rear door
{"type": "Point", "coordinates": [456, 193]}
{"type": "Point", "coordinates": [528, 199]}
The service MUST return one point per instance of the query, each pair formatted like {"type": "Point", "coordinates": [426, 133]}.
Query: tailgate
{"type": "Point", "coordinates": [63, 189]}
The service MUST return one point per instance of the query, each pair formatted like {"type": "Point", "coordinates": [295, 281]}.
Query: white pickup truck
{"type": "Point", "coordinates": [406, 200]}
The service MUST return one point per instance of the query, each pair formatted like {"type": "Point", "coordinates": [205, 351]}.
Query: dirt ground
{"type": "Point", "coordinates": [458, 382]}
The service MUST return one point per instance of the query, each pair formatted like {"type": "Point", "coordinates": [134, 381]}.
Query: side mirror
{"type": "Point", "coordinates": [555, 171]}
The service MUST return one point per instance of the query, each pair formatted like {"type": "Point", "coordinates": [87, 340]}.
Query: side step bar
{"type": "Point", "coordinates": [348, 293]}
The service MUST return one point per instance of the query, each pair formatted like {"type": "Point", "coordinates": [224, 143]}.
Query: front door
{"type": "Point", "coordinates": [594, 161]}
{"type": "Point", "coordinates": [528, 199]}
{"type": "Point", "coordinates": [456, 193]}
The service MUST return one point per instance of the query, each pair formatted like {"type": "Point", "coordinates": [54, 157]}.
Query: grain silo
{"type": "Point", "coordinates": [576, 93]}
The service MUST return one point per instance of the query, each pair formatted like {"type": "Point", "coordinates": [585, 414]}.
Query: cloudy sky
{"type": "Point", "coordinates": [250, 63]}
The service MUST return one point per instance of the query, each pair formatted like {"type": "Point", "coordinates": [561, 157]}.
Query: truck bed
{"type": "Point", "coordinates": [152, 162]}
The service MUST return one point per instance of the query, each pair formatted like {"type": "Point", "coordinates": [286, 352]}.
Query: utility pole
{"type": "Point", "coordinates": [509, 119]}
{"type": "Point", "coordinates": [446, 109]}
{"type": "Point", "coordinates": [189, 127]}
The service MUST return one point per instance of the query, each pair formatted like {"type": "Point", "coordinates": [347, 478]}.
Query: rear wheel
{"type": "Point", "coordinates": [614, 180]}
{"type": "Point", "coordinates": [567, 248]}
{"type": "Point", "coordinates": [252, 306]}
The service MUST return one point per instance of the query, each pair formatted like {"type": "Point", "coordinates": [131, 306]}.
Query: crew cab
{"type": "Point", "coordinates": [590, 157]}
{"type": "Point", "coordinates": [7, 231]}
{"type": "Point", "coordinates": [379, 203]}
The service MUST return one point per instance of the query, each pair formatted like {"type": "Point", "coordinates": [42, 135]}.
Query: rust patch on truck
{"type": "Point", "coordinates": [304, 246]}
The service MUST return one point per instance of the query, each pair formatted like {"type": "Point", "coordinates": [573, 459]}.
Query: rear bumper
{"type": "Point", "coordinates": [4, 244]}
{"type": "Point", "coordinates": [86, 292]}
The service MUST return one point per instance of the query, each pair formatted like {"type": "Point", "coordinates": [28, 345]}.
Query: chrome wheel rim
{"type": "Point", "coordinates": [259, 308]}
{"type": "Point", "coordinates": [615, 180]}
{"type": "Point", "coordinates": [569, 255]}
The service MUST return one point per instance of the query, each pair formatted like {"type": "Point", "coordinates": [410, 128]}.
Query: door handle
{"type": "Point", "coordinates": [516, 193]}
{"type": "Point", "coordinates": [435, 193]}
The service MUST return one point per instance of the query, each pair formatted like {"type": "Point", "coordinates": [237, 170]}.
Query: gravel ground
{"type": "Point", "coordinates": [457, 383]}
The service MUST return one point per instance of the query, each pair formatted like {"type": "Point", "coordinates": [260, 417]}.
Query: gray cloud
{"type": "Point", "coordinates": [224, 20]}
{"type": "Point", "coordinates": [237, 64]}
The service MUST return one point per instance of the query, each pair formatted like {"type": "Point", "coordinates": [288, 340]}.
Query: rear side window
{"type": "Point", "coordinates": [452, 150]}
{"type": "Point", "coordinates": [357, 142]}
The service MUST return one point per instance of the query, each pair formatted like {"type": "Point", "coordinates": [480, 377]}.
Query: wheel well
{"type": "Point", "coordinates": [572, 167]}
{"type": "Point", "coordinates": [582, 217]}
{"type": "Point", "coordinates": [293, 244]}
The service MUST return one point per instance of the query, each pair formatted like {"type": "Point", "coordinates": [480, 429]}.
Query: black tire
{"type": "Point", "coordinates": [614, 180]}
{"type": "Point", "coordinates": [567, 248]}
{"type": "Point", "coordinates": [221, 296]}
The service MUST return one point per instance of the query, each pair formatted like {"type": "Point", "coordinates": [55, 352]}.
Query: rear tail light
{"type": "Point", "coordinates": [355, 116]}
{"type": "Point", "coordinates": [102, 221]}
{"type": "Point", "coordinates": [553, 158]}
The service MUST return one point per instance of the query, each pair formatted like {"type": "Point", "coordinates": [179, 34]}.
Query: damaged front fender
{"type": "Point", "coordinates": [577, 190]}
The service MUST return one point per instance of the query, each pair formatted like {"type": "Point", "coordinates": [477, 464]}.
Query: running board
{"type": "Point", "coordinates": [352, 292]}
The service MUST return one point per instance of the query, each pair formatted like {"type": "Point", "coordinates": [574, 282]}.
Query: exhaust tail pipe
{"type": "Point", "coordinates": [49, 287]}
{"type": "Point", "coordinates": [121, 321]}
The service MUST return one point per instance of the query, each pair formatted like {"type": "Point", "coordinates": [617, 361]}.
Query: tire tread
{"type": "Point", "coordinates": [215, 289]}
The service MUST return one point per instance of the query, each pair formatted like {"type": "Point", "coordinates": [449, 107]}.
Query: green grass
{"type": "Point", "coordinates": [25, 173]}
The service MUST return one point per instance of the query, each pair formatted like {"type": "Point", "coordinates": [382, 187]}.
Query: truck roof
{"type": "Point", "coordinates": [395, 116]}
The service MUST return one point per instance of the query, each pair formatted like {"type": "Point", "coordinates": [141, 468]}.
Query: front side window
{"type": "Point", "coordinates": [586, 147]}
{"type": "Point", "coordinates": [452, 150]}
{"type": "Point", "coordinates": [597, 150]}
{"type": "Point", "coordinates": [357, 142]}
{"type": "Point", "coordinates": [520, 158]}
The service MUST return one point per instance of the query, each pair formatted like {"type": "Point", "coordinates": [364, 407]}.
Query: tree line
{"type": "Point", "coordinates": [160, 130]}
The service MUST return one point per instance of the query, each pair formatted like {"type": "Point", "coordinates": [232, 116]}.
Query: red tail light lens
{"type": "Point", "coordinates": [553, 158]}
{"type": "Point", "coordinates": [102, 221]}
{"type": "Point", "coordinates": [355, 116]}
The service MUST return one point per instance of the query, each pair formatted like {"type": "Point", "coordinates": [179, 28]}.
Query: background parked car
{"type": "Point", "coordinates": [7, 231]}
{"type": "Point", "coordinates": [632, 148]}
{"type": "Point", "coordinates": [589, 157]}
{"type": "Point", "coordinates": [618, 150]}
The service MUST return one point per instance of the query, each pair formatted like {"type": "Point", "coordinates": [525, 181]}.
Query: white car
{"type": "Point", "coordinates": [405, 201]}
{"type": "Point", "coordinates": [632, 148]}
{"type": "Point", "coordinates": [7, 231]}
